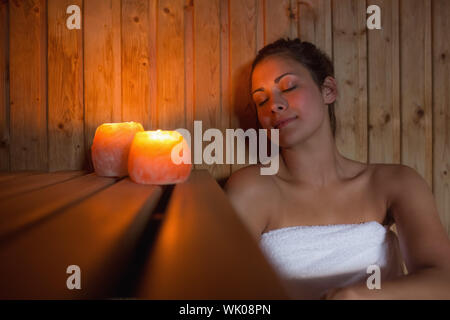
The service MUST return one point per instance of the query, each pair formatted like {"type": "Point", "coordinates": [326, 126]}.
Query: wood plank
{"type": "Point", "coordinates": [34, 206]}
{"type": "Point", "coordinates": [315, 24]}
{"type": "Point", "coordinates": [102, 65]}
{"type": "Point", "coordinates": [13, 175]}
{"type": "Point", "coordinates": [28, 98]}
{"type": "Point", "coordinates": [170, 65]}
{"type": "Point", "coordinates": [279, 18]}
{"type": "Point", "coordinates": [225, 75]}
{"type": "Point", "coordinates": [153, 82]}
{"type": "Point", "coordinates": [416, 94]}
{"type": "Point", "coordinates": [441, 110]}
{"type": "Point", "coordinates": [243, 49]}
{"type": "Point", "coordinates": [207, 64]}
{"type": "Point", "coordinates": [65, 89]}
{"type": "Point", "coordinates": [4, 85]}
{"type": "Point", "coordinates": [384, 86]}
{"type": "Point", "coordinates": [28, 183]}
{"type": "Point", "coordinates": [136, 62]}
{"type": "Point", "coordinates": [350, 60]}
{"type": "Point", "coordinates": [201, 247]}
{"type": "Point", "coordinates": [99, 235]}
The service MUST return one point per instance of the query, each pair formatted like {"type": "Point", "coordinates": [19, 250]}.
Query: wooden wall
{"type": "Point", "coordinates": [166, 63]}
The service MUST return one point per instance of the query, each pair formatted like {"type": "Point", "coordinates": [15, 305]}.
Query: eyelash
{"type": "Point", "coordinates": [286, 90]}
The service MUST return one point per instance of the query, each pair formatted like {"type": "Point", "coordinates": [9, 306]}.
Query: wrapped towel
{"type": "Point", "coordinates": [312, 259]}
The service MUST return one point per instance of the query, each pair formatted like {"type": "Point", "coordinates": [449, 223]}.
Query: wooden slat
{"type": "Point", "coordinates": [315, 24]}
{"type": "Point", "coordinates": [153, 82]}
{"type": "Point", "coordinates": [243, 49]}
{"type": "Point", "coordinates": [350, 58]}
{"type": "Point", "coordinates": [135, 62]}
{"type": "Point", "coordinates": [98, 235]}
{"type": "Point", "coordinates": [65, 89]}
{"type": "Point", "coordinates": [33, 206]}
{"type": "Point", "coordinates": [33, 182]}
{"type": "Point", "coordinates": [102, 65]}
{"type": "Point", "coordinates": [208, 78]}
{"type": "Point", "coordinates": [170, 65]}
{"type": "Point", "coordinates": [28, 98]}
{"type": "Point", "coordinates": [13, 175]}
{"type": "Point", "coordinates": [416, 95]}
{"type": "Point", "coordinates": [278, 20]}
{"type": "Point", "coordinates": [441, 110]}
{"type": "Point", "coordinates": [384, 86]}
{"type": "Point", "coordinates": [203, 250]}
{"type": "Point", "coordinates": [4, 85]}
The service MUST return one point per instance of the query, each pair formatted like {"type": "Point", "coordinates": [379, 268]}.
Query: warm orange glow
{"type": "Point", "coordinates": [150, 158]}
{"type": "Point", "coordinates": [111, 146]}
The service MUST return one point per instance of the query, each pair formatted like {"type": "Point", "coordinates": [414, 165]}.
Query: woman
{"type": "Point", "coordinates": [323, 218]}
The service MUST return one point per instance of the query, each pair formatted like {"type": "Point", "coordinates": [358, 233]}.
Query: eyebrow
{"type": "Point", "coordinates": [277, 79]}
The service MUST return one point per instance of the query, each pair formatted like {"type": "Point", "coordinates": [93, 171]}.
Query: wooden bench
{"type": "Point", "coordinates": [129, 240]}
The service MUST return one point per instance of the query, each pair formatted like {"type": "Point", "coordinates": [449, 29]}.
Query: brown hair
{"type": "Point", "coordinates": [311, 57]}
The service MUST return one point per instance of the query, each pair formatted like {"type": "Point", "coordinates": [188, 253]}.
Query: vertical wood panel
{"type": "Point", "coordinates": [136, 62]}
{"type": "Point", "coordinates": [207, 75]}
{"type": "Point", "coordinates": [28, 91]}
{"type": "Point", "coordinates": [102, 65]}
{"type": "Point", "coordinates": [4, 87]}
{"type": "Point", "coordinates": [65, 89]}
{"type": "Point", "coordinates": [315, 24]}
{"type": "Point", "coordinates": [170, 66]}
{"type": "Point", "coordinates": [153, 81]}
{"type": "Point", "coordinates": [350, 58]}
{"type": "Point", "coordinates": [189, 65]}
{"type": "Point", "coordinates": [243, 47]}
{"type": "Point", "coordinates": [441, 109]}
{"type": "Point", "coordinates": [225, 74]}
{"type": "Point", "coordinates": [415, 77]}
{"type": "Point", "coordinates": [384, 86]}
{"type": "Point", "coordinates": [278, 20]}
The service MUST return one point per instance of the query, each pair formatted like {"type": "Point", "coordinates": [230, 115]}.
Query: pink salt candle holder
{"type": "Point", "coordinates": [111, 147]}
{"type": "Point", "coordinates": [151, 158]}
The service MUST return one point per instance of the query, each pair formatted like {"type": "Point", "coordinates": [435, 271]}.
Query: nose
{"type": "Point", "coordinates": [278, 105]}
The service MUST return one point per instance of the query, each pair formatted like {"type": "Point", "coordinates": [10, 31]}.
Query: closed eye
{"type": "Point", "coordinates": [262, 102]}
{"type": "Point", "coordinates": [290, 89]}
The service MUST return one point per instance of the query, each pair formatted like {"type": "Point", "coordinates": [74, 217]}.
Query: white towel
{"type": "Point", "coordinates": [312, 259]}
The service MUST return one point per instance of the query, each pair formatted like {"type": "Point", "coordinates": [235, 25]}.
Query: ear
{"type": "Point", "coordinates": [329, 90]}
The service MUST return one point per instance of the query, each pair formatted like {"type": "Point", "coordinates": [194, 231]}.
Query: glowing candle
{"type": "Point", "coordinates": [111, 146]}
{"type": "Point", "coordinates": [151, 159]}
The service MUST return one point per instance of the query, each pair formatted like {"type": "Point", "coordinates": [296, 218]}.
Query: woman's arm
{"type": "Point", "coordinates": [424, 243]}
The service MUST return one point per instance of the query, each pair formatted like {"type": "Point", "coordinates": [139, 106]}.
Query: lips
{"type": "Point", "coordinates": [283, 122]}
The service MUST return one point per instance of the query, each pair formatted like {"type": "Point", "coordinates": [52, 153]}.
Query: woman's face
{"type": "Point", "coordinates": [288, 99]}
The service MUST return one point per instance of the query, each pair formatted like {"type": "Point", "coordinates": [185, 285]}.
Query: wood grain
{"type": "Point", "coordinates": [28, 89]}
{"type": "Point", "coordinates": [315, 24]}
{"type": "Point", "coordinates": [136, 62]}
{"type": "Point", "coordinates": [4, 85]}
{"type": "Point", "coordinates": [350, 59]}
{"type": "Point", "coordinates": [102, 65]}
{"type": "Point", "coordinates": [441, 110]}
{"type": "Point", "coordinates": [384, 86]}
{"type": "Point", "coordinates": [243, 49]}
{"type": "Point", "coordinates": [416, 94]}
{"type": "Point", "coordinates": [170, 66]}
{"type": "Point", "coordinates": [27, 183]}
{"type": "Point", "coordinates": [65, 89]}
{"type": "Point", "coordinates": [98, 235]}
{"type": "Point", "coordinates": [207, 97]}
{"type": "Point", "coordinates": [203, 250]}
{"type": "Point", "coordinates": [29, 208]}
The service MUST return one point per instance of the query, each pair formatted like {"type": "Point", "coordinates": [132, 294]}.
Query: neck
{"type": "Point", "coordinates": [316, 161]}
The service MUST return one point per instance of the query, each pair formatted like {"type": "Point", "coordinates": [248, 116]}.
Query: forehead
{"type": "Point", "coordinates": [272, 67]}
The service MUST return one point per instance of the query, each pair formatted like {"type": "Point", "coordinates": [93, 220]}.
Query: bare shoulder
{"type": "Point", "coordinates": [398, 179]}
{"type": "Point", "coordinates": [252, 196]}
